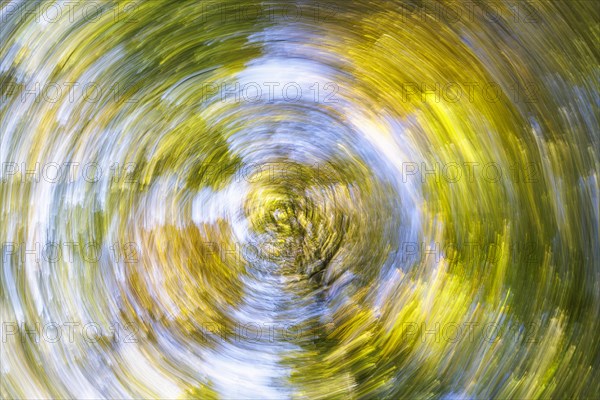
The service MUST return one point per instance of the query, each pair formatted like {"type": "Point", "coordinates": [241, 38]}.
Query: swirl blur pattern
{"type": "Point", "coordinates": [348, 199]}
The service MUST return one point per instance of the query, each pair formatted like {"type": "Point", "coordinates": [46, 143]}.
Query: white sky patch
{"type": "Point", "coordinates": [297, 79]}
{"type": "Point", "coordinates": [208, 206]}
{"type": "Point", "coordinates": [146, 373]}
{"type": "Point", "coordinates": [244, 373]}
